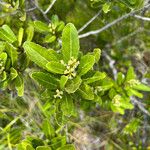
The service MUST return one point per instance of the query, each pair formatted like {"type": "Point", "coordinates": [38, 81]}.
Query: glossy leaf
{"type": "Point", "coordinates": [86, 63]}
{"type": "Point", "coordinates": [70, 42]}
{"type": "Point", "coordinates": [55, 67]}
{"type": "Point", "coordinates": [86, 92]}
{"type": "Point", "coordinates": [13, 73]}
{"type": "Point", "coordinates": [96, 77]}
{"type": "Point", "coordinates": [45, 79]}
{"type": "Point", "coordinates": [7, 34]}
{"type": "Point", "coordinates": [142, 87]}
{"type": "Point", "coordinates": [63, 81]}
{"type": "Point", "coordinates": [37, 54]}
{"type": "Point", "coordinates": [41, 27]}
{"type": "Point", "coordinates": [73, 85]}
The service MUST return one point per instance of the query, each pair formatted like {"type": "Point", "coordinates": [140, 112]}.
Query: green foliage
{"type": "Point", "coordinates": [76, 86]}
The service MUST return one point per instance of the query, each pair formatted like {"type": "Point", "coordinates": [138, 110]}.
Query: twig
{"type": "Point", "coordinates": [94, 32]}
{"type": "Point", "coordinates": [31, 9]}
{"type": "Point", "coordinates": [89, 22]}
{"type": "Point", "coordinates": [142, 18]}
{"type": "Point", "coordinates": [111, 64]}
{"type": "Point", "coordinates": [140, 105]}
{"type": "Point", "coordinates": [42, 12]}
{"type": "Point", "coordinates": [50, 6]}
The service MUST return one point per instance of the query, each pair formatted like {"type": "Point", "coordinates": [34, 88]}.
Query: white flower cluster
{"type": "Point", "coordinates": [58, 94]}
{"type": "Point", "coordinates": [98, 89]}
{"type": "Point", "coordinates": [133, 82]}
{"type": "Point", "coordinates": [116, 100]}
{"type": "Point", "coordinates": [71, 67]}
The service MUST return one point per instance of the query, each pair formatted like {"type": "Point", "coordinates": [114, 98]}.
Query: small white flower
{"type": "Point", "coordinates": [116, 100]}
{"type": "Point", "coordinates": [58, 94]}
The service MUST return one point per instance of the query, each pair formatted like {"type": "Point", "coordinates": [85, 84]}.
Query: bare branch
{"type": "Point", "coordinates": [89, 22]}
{"type": "Point", "coordinates": [112, 23]}
{"type": "Point", "coordinates": [50, 6]}
{"type": "Point", "coordinates": [142, 18]}
{"type": "Point", "coordinates": [111, 64]}
{"type": "Point", "coordinates": [140, 105]}
{"type": "Point", "coordinates": [42, 12]}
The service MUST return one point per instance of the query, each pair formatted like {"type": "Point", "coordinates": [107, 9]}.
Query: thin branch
{"type": "Point", "coordinates": [89, 22]}
{"type": "Point", "coordinates": [142, 18]}
{"type": "Point", "coordinates": [42, 12]}
{"type": "Point", "coordinates": [94, 32]}
{"type": "Point", "coordinates": [50, 6]}
{"type": "Point", "coordinates": [111, 64]}
{"type": "Point", "coordinates": [140, 105]}
{"type": "Point", "coordinates": [31, 9]}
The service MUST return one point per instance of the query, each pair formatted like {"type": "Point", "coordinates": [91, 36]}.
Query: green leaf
{"type": "Point", "coordinates": [19, 84]}
{"type": "Point", "coordinates": [55, 67]}
{"type": "Point", "coordinates": [130, 74]}
{"type": "Point", "coordinates": [37, 54]}
{"type": "Point", "coordinates": [48, 129]}
{"type": "Point", "coordinates": [86, 92]}
{"type": "Point", "coordinates": [132, 92]}
{"type": "Point", "coordinates": [67, 147]}
{"type": "Point", "coordinates": [70, 42]}
{"type": "Point", "coordinates": [120, 78]}
{"type": "Point", "coordinates": [106, 7]}
{"type": "Point", "coordinates": [86, 63]}
{"type": "Point", "coordinates": [3, 57]}
{"type": "Point", "coordinates": [45, 79]}
{"type": "Point", "coordinates": [29, 147]}
{"type": "Point", "coordinates": [54, 55]}
{"type": "Point", "coordinates": [2, 46]}
{"type": "Point", "coordinates": [142, 87]}
{"type": "Point", "coordinates": [58, 142]}
{"type": "Point", "coordinates": [96, 77]}
{"type": "Point", "coordinates": [20, 36]}
{"type": "Point", "coordinates": [49, 38]}
{"type": "Point", "coordinates": [63, 81]}
{"type": "Point", "coordinates": [12, 53]}
{"type": "Point", "coordinates": [73, 84]}
{"type": "Point", "coordinates": [41, 27]}
{"type": "Point", "coordinates": [67, 106]}
{"type": "Point", "coordinates": [43, 148]}
{"type": "Point", "coordinates": [13, 73]}
{"type": "Point", "coordinates": [7, 34]}
{"type": "Point", "coordinates": [97, 54]}
{"type": "Point", "coordinates": [30, 33]}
